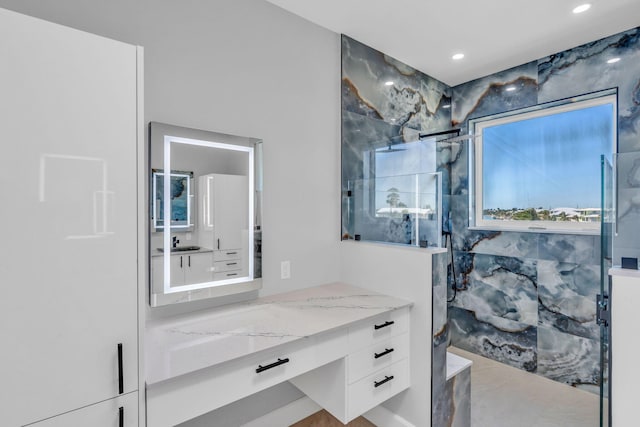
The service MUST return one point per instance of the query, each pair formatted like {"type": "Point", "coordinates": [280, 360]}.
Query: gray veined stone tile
{"type": "Point", "coordinates": [584, 69]}
{"type": "Point", "coordinates": [415, 100]}
{"type": "Point", "coordinates": [499, 289]}
{"type": "Point", "coordinates": [628, 169]}
{"type": "Point", "coordinates": [487, 95]}
{"type": "Point", "coordinates": [509, 243]}
{"type": "Point", "coordinates": [569, 248]}
{"type": "Point", "coordinates": [360, 135]}
{"type": "Point", "coordinates": [569, 359]}
{"type": "Point", "coordinates": [463, 238]}
{"type": "Point", "coordinates": [461, 384]}
{"type": "Point", "coordinates": [439, 302]}
{"type": "Point", "coordinates": [459, 168]}
{"type": "Point", "coordinates": [628, 218]}
{"type": "Point", "coordinates": [567, 296]}
{"type": "Point", "coordinates": [513, 343]}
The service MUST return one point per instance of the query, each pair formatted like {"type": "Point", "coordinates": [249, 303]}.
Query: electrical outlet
{"type": "Point", "coordinates": [188, 236]}
{"type": "Point", "coordinates": [285, 270]}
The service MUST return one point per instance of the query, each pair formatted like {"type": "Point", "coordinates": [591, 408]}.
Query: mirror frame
{"type": "Point", "coordinates": [161, 137]}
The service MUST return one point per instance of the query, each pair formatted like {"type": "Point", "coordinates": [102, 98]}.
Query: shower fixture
{"type": "Point", "coordinates": [455, 138]}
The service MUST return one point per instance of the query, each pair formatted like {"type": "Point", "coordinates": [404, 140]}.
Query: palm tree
{"type": "Point", "coordinates": [393, 197]}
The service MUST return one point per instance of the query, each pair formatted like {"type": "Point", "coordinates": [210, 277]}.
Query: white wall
{"type": "Point", "coordinates": [243, 67]}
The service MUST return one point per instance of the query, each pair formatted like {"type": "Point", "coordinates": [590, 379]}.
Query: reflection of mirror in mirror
{"type": "Point", "coordinates": [213, 197]}
{"type": "Point", "coordinates": [181, 200]}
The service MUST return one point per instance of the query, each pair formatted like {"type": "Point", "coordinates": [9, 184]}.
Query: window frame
{"type": "Point", "coordinates": [476, 127]}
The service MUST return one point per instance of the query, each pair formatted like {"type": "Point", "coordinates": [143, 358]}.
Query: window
{"type": "Point", "coordinates": [538, 169]}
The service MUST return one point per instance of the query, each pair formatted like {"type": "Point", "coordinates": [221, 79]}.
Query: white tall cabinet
{"type": "Point", "coordinates": [68, 256]}
{"type": "Point", "coordinates": [224, 222]}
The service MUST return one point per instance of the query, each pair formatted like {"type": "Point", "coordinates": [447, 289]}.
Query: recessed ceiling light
{"type": "Point", "coordinates": [510, 88]}
{"type": "Point", "coordinates": [458, 56]}
{"type": "Point", "coordinates": [389, 83]}
{"type": "Point", "coordinates": [613, 60]}
{"type": "Point", "coordinates": [582, 8]}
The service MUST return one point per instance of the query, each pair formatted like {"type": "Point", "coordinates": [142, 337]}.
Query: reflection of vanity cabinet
{"type": "Point", "coordinates": [224, 220]}
{"type": "Point", "coordinates": [227, 264]}
{"type": "Point", "coordinates": [186, 268]}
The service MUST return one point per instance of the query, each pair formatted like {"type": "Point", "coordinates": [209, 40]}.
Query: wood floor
{"type": "Point", "coordinates": [325, 419]}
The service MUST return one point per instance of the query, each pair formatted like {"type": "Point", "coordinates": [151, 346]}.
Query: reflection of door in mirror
{"type": "Point", "coordinates": [224, 223]}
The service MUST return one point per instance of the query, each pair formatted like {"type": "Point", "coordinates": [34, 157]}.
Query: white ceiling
{"type": "Point", "coordinates": [493, 34]}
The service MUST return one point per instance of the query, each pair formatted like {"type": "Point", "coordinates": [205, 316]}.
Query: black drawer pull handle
{"type": "Point", "coordinates": [272, 365]}
{"type": "Point", "coordinates": [384, 325]}
{"type": "Point", "coordinates": [232, 263]}
{"type": "Point", "coordinates": [379, 383]}
{"type": "Point", "coordinates": [384, 353]}
{"type": "Point", "coordinates": [232, 253]}
{"type": "Point", "coordinates": [120, 370]}
{"type": "Point", "coordinates": [232, 274]}
{"type": "Point", "coordinates": [121, 416]}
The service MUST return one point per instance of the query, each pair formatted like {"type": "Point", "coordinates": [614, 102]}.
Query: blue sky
{"type": "Point", "coordinates": [551, 161]}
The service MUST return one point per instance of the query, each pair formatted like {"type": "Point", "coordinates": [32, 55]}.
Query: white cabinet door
{"type": "Point", "coordinates": [198, 268]}
{"type": "Point", "coordinates": [176, 269]}
{"type": "Point", "coordinates": [68, 260]}
{"type": "Point", "coordinates": [231, 207]}
{"type": "Point", "coordinates": [103, 414]}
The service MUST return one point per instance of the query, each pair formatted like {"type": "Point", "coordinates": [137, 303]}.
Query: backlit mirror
{"type": "Point", "coordinates": [205, 214]}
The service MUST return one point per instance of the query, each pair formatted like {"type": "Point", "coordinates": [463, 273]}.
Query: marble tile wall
{"type": "Point", "coordinates": [528, 299]}
{"type": "Point", "coordinates": [441, 397]}
{"type": "Point", "coordinates": [375, 115]}
{"type": "Point", "coordinates": [525, 299]}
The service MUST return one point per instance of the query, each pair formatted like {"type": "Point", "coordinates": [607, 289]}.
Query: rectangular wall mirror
{"type": "Point", "coordinates": [209, 185]}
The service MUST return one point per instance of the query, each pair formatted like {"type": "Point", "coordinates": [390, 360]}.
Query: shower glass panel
{"type": "Point", "coordinates": [607, 229]}
{"type": "Point", "coordinates": [403, 209]}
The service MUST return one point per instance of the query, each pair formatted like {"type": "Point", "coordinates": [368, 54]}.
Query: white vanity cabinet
{"type": "Point", "coordinates": [186, 268]}
{"type": "Point", "coordinates": [190, 268]}
{"type": "Point", "coordinates": [68, 262]}
{"type": "Point", "coordinates": [345, 347]}
{"type": "Point", "coordinates": [228, 264]}
{"type": "Point", "coordinates": [375, 368]}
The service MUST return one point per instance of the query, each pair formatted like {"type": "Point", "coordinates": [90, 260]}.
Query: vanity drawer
{"type": "Point", "coordinates": [377, 356]}
{"type": "Point", "coordinates": [227, 275]}
{"type": "Point", "coordinates": [377, 387]}
{"type": "Point", "coordinates": [227, 254]}
{"type": "Point", "coordinates": [187, 396]}
{"type": "Point", "coordinates": [378, 328]}
{"type": "Point", "coordinates": [228, 265]}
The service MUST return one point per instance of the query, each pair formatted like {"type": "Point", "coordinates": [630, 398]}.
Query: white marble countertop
{"type": "Point", "coordinates": [207, 338]}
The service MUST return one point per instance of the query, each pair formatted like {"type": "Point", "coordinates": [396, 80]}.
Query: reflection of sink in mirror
{"type": "Point", "coordinates": [182, 248]}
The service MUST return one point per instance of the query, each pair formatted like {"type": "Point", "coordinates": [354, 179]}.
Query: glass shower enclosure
{"type": "Point", "coordinates": [607, 231]}
{"type": "Point", "coordinates": [404, 209]}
